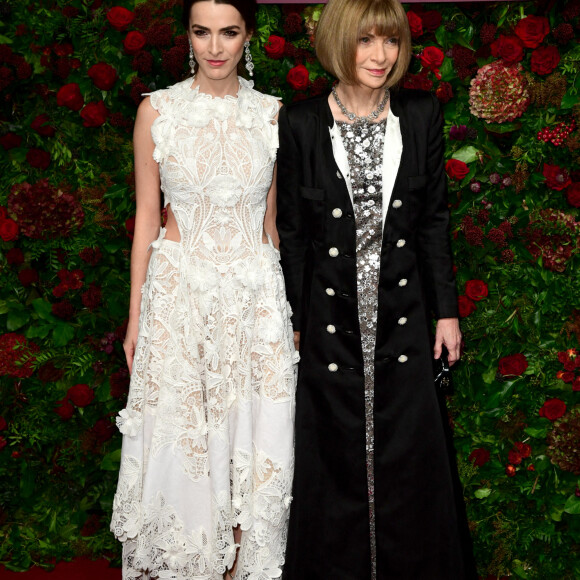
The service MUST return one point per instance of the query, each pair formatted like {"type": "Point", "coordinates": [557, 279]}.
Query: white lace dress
{"type": "Point", "coordinates": [208, 428]}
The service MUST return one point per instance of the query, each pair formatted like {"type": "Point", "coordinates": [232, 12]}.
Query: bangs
{"type": "Point", "coordinates": [379, 19]}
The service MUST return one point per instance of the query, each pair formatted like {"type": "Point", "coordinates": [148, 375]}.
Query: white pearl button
{"type": "Point", "coordinates": [336, 212]}
{"type": "Point", "coordinates": [401, 243]}
{"type": "Point", "coordinates": [330, 291]}
{"type": "Point", "coordinates": [403, 282]}
{"type": "Point", "coordinates": [332, 367]}
{"type": "Point", "coordinates": [402, 320]}
{"type": "Point", "coordinates": [397, 203]}
{"type": "Point", "coordinates": [333, 252]}
{"type": "Point", "coordinates": [403, 358]}
{"type": "Point", "coordinates": [331, 329]}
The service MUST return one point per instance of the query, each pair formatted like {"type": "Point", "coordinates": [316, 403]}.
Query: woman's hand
{"type": "Point", "coordinates": [130, 342]}
{"type": "Point", "coordinates": [447, 333]}
{"type": "Point", "coordinates": [297, 340]}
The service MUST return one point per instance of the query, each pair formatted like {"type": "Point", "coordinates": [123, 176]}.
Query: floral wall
{"type": "Point", "coordinates": [507, 74]}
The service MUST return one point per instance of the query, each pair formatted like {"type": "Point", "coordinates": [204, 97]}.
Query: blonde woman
{"type": "Point", "coordinates": [363, 225]}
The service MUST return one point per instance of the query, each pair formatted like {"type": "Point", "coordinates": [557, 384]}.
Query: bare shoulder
{"type": "Point", "coordinates": [146, 113]}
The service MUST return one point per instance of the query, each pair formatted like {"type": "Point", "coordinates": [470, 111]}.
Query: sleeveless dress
{"type": "Point", "coordinates": [208, 427]}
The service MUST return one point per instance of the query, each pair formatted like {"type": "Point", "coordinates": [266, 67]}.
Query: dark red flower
{"type": "Point", "coordinates": [91, 526]}
{"type": "Point", "coordinates": [510, 470]}
{"type": "Point", "coordinates": [28, 276]}
{"type": "Point", "coordinates": [103, 76]}
{"type": "Point", "coordinates": [119, 382]}
{"type": "Point", "coordinates": [556, 177]}
{"type": "Point", "coordinates": [508, 48]}
{"type": "Point", "coordinates": [16, 355]}
{"type": "Point", "coordinates": [134, 42]}
{"type": "Point", "coordinates": [293, 23]}
{"type": "Point", "coordinates": [159, 35]}
{"type": "Point", "coordinates": [103, 430]}
{"type": "Point", "coordinates": [63, 49]}
{"type": "Point", "coordinates": [456, 169]}
{"type": "Point", "coordinates": [466, 306]}
{"type": "Point", "coordinates": [70, 96]}
{"type": "Point", "coordinates": [514, 457]}
{"type": "Point", "coordinates": [476, 289]}
{"type": "Point", "coordinates": [64, 409]}
{"type": "Point", "coordinates": [523, 449]}
{"type": "Point", "coordinates": [274, 46]}
{"type": "Point", "coordinates": [130, 226]}
{"type": "Point", "coordinates": [70, 12]}
{"type": "Point", "coordinates": [532, 30]}
{"type": "Point", "coordinates": [38, 158]}
{"type": "Point", "coordinates": [297, 77]}
{"type": "Point", "coordinates": [432, 58]}
{"type": "Point", "coordinates": [479, 456]}
{"type": "Point", "coordinates": [487, 33]}
{"type": "Point", "coordinates": [15, 256]}
{"type": "Point", "coordinates": [415, 23]}
{"type": "Point", "coordinates": [40, 125]}
{"type": "Point", "coordinates": [81, 395]}
{"type": "Point", "coordinates": [513, 365]}
{"type": "Point", "coordinates": [544, 60]}
{"type": "Point", "coordinates": [10, 141]}
{"type": "Point", "coordinates": [8, 230]}
{"type": "Point", "coordinates": [573, 194]}
{"type": "Point", "coordinates": [576, 384]}
{"type": "Point", "coordinates": [444, 92]}
{"type": "Point", "coordinates": [91, 256]}
{"type": "Point", "coordinates": [64, 310]}
{"type": "Point", "coordinates": [94, 114]}
{"type": "Point", "coordinates": [420, 81]}
{"type": "Point", "coordinates": [3, 424]}
{"type": "Point", "coordinates": [48, 373]}
{"type": "Point", "coordinates": [431, 20]}
{"type": "Point", "coordinates": [120, 18]}
{"type": "Point", "coordinates": [553, 409]}
{"type": "Point", "coordinates": [566, 376]}
{"type": "Point", "coordinates": [92, 297]}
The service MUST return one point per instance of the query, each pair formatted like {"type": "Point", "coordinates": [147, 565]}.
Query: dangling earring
{"type": "Point", "coordinates": [191, 59]}
{"type": "Point", "coordinates": [248, 54]}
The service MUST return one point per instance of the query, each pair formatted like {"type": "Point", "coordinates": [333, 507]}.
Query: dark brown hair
{"type": "Point", "coordinates": [247, 8]}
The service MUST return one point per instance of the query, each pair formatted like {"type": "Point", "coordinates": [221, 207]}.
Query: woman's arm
{"type": "Point", "coordinates": [147, 219]}
{"type": "Point", "coordinates": [271, 211]}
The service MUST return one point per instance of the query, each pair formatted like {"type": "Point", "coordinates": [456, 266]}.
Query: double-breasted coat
{"type": "Point", "coordinates": [419, 520]}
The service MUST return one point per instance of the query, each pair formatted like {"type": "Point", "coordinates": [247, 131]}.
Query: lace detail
{"type": "Point", "coordinates": [208, 428]}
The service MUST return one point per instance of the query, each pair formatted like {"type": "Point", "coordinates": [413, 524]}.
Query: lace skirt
{"type": "Point", "coordinates": [208, 428]}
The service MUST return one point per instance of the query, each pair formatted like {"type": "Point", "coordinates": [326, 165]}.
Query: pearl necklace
{"type": "Point", "coordinates": [355, 118]}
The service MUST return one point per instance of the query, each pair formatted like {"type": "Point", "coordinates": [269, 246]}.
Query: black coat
{"type": "Point", "coordinates": [417, 505]}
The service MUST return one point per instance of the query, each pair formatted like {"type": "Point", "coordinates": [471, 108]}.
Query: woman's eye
{"type": "Point", "coordinates": [231, 33]}
{"type": "Point", "coordinates": [199, 33]}
{"type": "Point", "coordinates": [365, 40]}
{"type": "Point", "coordinates": [393, 41]}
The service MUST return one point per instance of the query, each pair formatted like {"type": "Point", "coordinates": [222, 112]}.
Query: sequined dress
{"type": "Point", "coordinates": [363, 142]}
{"type": "Point", "coordinates": [208, 427]}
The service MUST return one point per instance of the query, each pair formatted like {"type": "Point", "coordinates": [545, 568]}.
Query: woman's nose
{"type": "Point", "coordinates": [215, 46]}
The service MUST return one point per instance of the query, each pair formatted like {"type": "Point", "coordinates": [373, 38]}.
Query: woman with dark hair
{"type": "Point", "coordinates": [206, 466]}
{"type": "Point", "coordinates": [363, 225]}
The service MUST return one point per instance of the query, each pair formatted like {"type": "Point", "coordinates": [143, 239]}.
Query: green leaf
{"type": "Point", "coordinates": [17, 318]}
{"type": "Point", "coordinates": [62, 334]}
{"type": "Point", "coordinates": [111, 461]}
{"type": "Point", "coordinates": [482, 492]}
{"type": "Point", "coordinates": [536, 433]}
{"type": "Point", "coordinates": [569, 101]}
{"type": "Point", "coordinates": [466, 154]}
{"type": "Point", "coordinates": [489, 375]}
{"type": "Point", "coordinates": [44, 309]}
{"type": "Point", "coordinates": [572, 505]}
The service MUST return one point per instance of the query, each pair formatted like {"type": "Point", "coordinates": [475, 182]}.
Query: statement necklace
{"type": "Point", "coordinates": [355, 118]}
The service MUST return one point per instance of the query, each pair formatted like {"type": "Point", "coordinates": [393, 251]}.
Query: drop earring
{"type": "Point", "coordinates": [191, 59]}
{"type": "Point", "coordinates": [248, 55]}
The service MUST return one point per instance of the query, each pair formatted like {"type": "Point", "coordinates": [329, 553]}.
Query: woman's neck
{"type": "Point", "coordinates": [217, 87]}
{"type": "Point", "coordinates": [358, 99]}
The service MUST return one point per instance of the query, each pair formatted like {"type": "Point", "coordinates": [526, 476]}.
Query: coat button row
{"type": "Point", "coordinates": [333, 252]}
{"type": "Point", "coordinates": [333, 367]}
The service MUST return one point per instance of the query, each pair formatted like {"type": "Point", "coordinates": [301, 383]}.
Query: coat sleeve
{"type": "Point", "coordinates": [434, 244]}
{"type": "Point", "coordinates": [290, 219]}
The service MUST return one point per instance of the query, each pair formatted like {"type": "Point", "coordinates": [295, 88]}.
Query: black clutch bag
{"type": "Point", "coordinates": [442, 371]}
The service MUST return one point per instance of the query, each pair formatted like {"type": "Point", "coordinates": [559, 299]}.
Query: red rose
{"type": "Point", "coordinates": [81, 395]}
{"type": "Point", "coordinates": [70, 96]}
{"type": "Point", "coordinates": [510, 470]}
{"type": "Point", "coordinates": [64, 49]}
{"type": "Point", "coordinates": [8, 230]}
{"type": "Point", "coordinates": [103, 430]}
{"type": "Point", "coordinates": [431, 20]}
{"type": "Point", "coordinates": [466, 306]}
{"type": "Point", "coordinates": [573, 194]}
{"type": "Point", "coordinates": [508, 48]}
{"type": "Point", "coordinates": [432, 57]}
{"type": "Point", "coordinates": [415, 23]}
{"type": "Point", "coordinates": [456, 169]}
{"type": "Point", "coordinates": [556, 177]}
{"type": "Point", "coordinates": [134, 42]}
{"type": "Point", "coordinates": [476, 289]}
{"type": "Point", "coordinates": [28, 276]}
{"type": "Point", "coordinates": [576, 384]}
{"type": "Point", "coordinates": [120, 17]}
{"type": "Point", "coordinates": [513, 365]}
{"type": "Point", "coordinates": [544, 60]}
{"type": "Point", "coordinates": [94, 114]}
{"type": "Point", "coordinates": [10, 140]}
{"type": "Point", "coordinates": [553, 409]}
{"type": "Point", "coordinates": [103, 76]}
{"type": "Point", "coordinates": [297, 78]}
{"type": "Point", "coordinates": [15, 256]}
{"type": "Point", "coordinates": [64, 409]}
{"type": "Point", "coordinates": [524, 449]}
{"type": "Point", "coordinates": [479, 456]}
{"type": "Point", "coordinates": [39, 124]}
{"type": "Point", "coordinates": [514, 457]}
{"type": "Point", "coordinates": [130, 226]}
{"type": "Point", "coordinates": [3, 424]}
{"type": "Point", "coordinates": [532, 30]}
{"type": "Point", "coordinates": [444, 92]}
{"type": "Point", "coordinates": [38, 158]}
{"type": "Point", "coordinates": [566, 376]}
{"type": "Point", "coordinates": [274, 47]}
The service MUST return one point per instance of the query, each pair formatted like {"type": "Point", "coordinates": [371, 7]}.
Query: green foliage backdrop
{"type": "Point", "coordinates": [71, 75]}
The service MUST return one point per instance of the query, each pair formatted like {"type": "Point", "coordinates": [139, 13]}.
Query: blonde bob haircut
{"type": "Point", "coordinates": [344, 22]}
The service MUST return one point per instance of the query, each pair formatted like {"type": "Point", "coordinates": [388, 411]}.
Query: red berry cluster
{"type": "Point", "coordinates": [558, 134]}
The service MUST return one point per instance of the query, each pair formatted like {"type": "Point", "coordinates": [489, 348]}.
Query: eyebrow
{"type": "Point", "coordinates": [233, 27]}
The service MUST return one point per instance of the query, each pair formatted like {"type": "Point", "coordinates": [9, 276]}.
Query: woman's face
{"type": "Point", "coordinates": [375, 57]}
{"type": "Point", "coordinates": [217, 33]}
